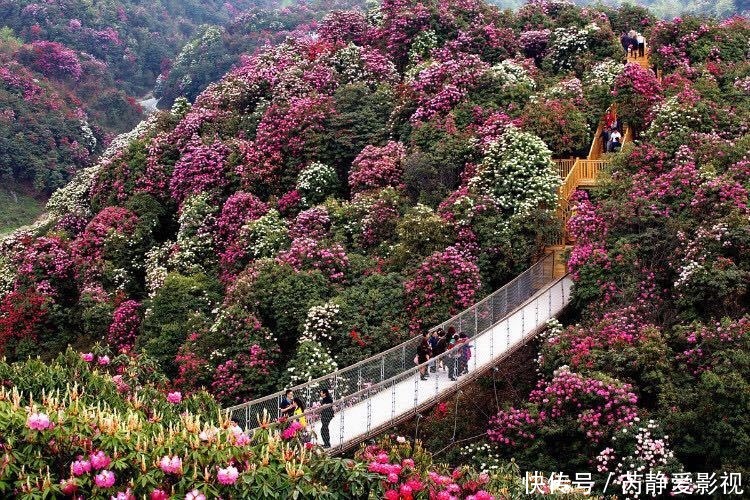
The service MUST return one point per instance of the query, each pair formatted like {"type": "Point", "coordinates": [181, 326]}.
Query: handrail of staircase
{"type": "Point", "coordinates": [374, 369]}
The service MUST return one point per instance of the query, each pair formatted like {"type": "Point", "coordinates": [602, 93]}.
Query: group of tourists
{"type": "Point", "coordinates": [633, 43]}
{"type": "Point", "coordinates": [293, 407]}
{"type": "Point", "coordinates": [437, 342]}
{"type": "Point", "coordinates": [612, 132]}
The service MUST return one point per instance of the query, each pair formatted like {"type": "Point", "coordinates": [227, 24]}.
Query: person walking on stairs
{"type": "Point", "coordinates": [423, 355]}
{"type": "Point", "coordinates": [325, 417]}
{"type": "Point", "coordinates": [641, 41]}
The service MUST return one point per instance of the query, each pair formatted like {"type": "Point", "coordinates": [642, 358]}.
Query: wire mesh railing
{"type": "Point", "coordinates": [358, 379]}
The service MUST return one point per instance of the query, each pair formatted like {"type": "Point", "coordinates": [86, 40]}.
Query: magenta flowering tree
{"type": "Point", "coordinates": [534, 43]}
{"type": "Point", "coordinates": [594, 407]}
{"type": "Point", "coordinates": [308, 254]}
{"type": "Point", "coordinates": [47, 263]}
{"type": "Point", "coordinates": [280, 147]}
{"type": "Point", "coordinates": [238, 210]}
{"type": "Point", "coordinates": [636, 92]}
{"type": "Point", "coordinates": [445, 82]}
{"type": "Point", "coordinates": [201, 168]}
{"type": "Point", "coordinates": [378, 167]}
{"type": "Point", "coordinates": [126, 320]}
{"type": "Point", "coordinates": [311, 223]}
{"type": "Point", "coordinates": [52, 59]}
{"type": "Point", "coordinates": [445, 283]}
{"type": "Point", "coordinates": [344, 27]}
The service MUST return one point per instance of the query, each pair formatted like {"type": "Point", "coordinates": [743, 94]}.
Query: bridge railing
{"type": "Point", "coordinates": [360, 377]}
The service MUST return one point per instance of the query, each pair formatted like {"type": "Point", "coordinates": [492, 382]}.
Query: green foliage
{"type": "Point", "coordinates": [169, 312]}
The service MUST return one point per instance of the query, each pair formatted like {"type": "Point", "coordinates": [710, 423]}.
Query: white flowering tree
{"type": "Point", "coordinates": [311, 361]}
{"type": "Point", "coordinates": [321, 322]}
{"type": "Point", "coordinates": [517, 172]}
{"type": "Point", "coordinates": [195, 242]}
{"type": "Point", "coordinates": [316, 182]}
{"type": "Point", "coordinates": [267, 235]}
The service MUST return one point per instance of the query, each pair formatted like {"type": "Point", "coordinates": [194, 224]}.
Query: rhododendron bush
{"type": "Point", "coordinates": [126, 435]}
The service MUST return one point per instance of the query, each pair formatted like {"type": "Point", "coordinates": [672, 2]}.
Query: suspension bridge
{"type": "Point", "coordinates": [381, 391]}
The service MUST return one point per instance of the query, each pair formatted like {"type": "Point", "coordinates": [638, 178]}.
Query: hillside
{"type": "Point", "coordinates": [346, 189]}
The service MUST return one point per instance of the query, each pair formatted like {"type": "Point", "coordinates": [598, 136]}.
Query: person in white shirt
{"type": "Point", "coordinates": [615, 141]}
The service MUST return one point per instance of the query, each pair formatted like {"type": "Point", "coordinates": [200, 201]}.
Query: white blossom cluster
{"type": "Point", "coordinates": [696, 253]}
{"type": "Point", "coordinates": [566, 89]}
{"type": "Point", "coordinates": [511, 74]}
{"type": "Point", "coordinates": [268, 234]}
{"type": "Point", "coordinates": [311, 361]}
{"type": "Point", "coordinates": [316, 182]}
{"type": "Point", "coordinates": [422, 45]}
{"type": "Point", "coordinates": [7, 276]}
{"type": "Point", "coordinates": [349, 65]}
{"type": "Point", "coordinates": [482, 455]}
{"type": "Point", "coordinates": [195, 242]}
{"type": "Point", "coordinates": [651, 453]}
{"type": "Point", "coordinates": [156, 267]}
{"type": "Point", "coordinates": [193, 50]}
{"type": "Point", "coordinates": [604, 73]}
{"type": "Point", "coordinates": [673, 118]}
{"type": "Point", "coordinates": [518, 173]}
{"type": "Point", "coordinates": [321, 321]}
{"type": "Point", "coordinates": [88, 135]}
{"type": "Point", "coordinates": [73, 198]}
{"type": "Point", "coordinates": [568, 43]}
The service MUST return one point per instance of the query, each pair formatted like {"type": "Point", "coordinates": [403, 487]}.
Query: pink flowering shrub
{"type": "Point", "coordinates": [52, 59]}
{"type": "Point", "coordinates": [307, 254]}
{"type": "Point", "coordinates": [201, 168]}
{"type": "Point", "coordinates": [312, 223]}
{"type": "Point", "coordinates": [377, 167]}
{"type": "Point", "coordinates": [445, 283]}
{"type": "Point", "coordinates": [595, 408]}
{"type": "Point", "coordinates": [126, 320]}
{"type": "Point", "coordinates": [636, 91]}
{"type": "Point", "coordinates": [239, 209]}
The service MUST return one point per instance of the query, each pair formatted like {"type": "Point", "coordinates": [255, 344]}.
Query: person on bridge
{"type": "Point", "coordinates": [465, 354]}
{"type": "Point", "coordinates": [423, 355]}
{"type": "Point", "coordinates": [300, 410]}
{"type": "Point", "coordinates": [440, 347]}
{"type": "Point", "coordinates": [452, 359]}
{"type": "Point", "coordinates": [434, 339]}
{"type": "Point", "coordinates": [287, 407]}
{"type": "Point", "coordinates": [325, 417]}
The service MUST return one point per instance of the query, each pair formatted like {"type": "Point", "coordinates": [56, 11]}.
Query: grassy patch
{"type": "Point", "coordinates": [17, 209]}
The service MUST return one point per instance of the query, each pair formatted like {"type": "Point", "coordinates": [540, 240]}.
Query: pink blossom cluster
{"type": "Point", "coordinates": [379, 224]}
{"type": "Point", "coordinates": [311, 223]}
{"type": "Point", "coordinates": [444, 83]}
{"type": "Point", "coordinates": [448, 278]}
{"type": "Point", "coordinates": [343, 27]}
{"type": "Point", "coordinates": [126, 320]}
{"type": "Point", "coordinates": [281, 136]}
{"type": "Point", "coordinates": [171, 465]}
{"type": "Point", "coordinates": [38, 421]}
{"type": "Point", "coordinates": [292, 430]}
{"type": "Point", "coordinates": [403, 481]}
{"type": "Point", "coordinates": [13, 75]}
{"type": "Point", "coordinates": [47, 261]}
{"type": "Point", "coordinates": [239, 209]}
{"type": "Point", "coordinates": [307, 254]}
{"type": "Point", "coordinates": [53, 59]}
{"type": "Point", "coordinates": [227, 475]}
{"type": "Point", "coordinates": [201, 168]}
{"type": "Point", "coordinates": [597, 407]}
{"type": "Point", "coordinates": [534, 42]}
{"type": "Point", "coordinates": [377, 167]}
{"type": "Point", "coordinates": [89, 246]}
{"type": "Point", "coordinates": [401, 19]}
{"type": "Point", "coordinates": [705, 341]}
